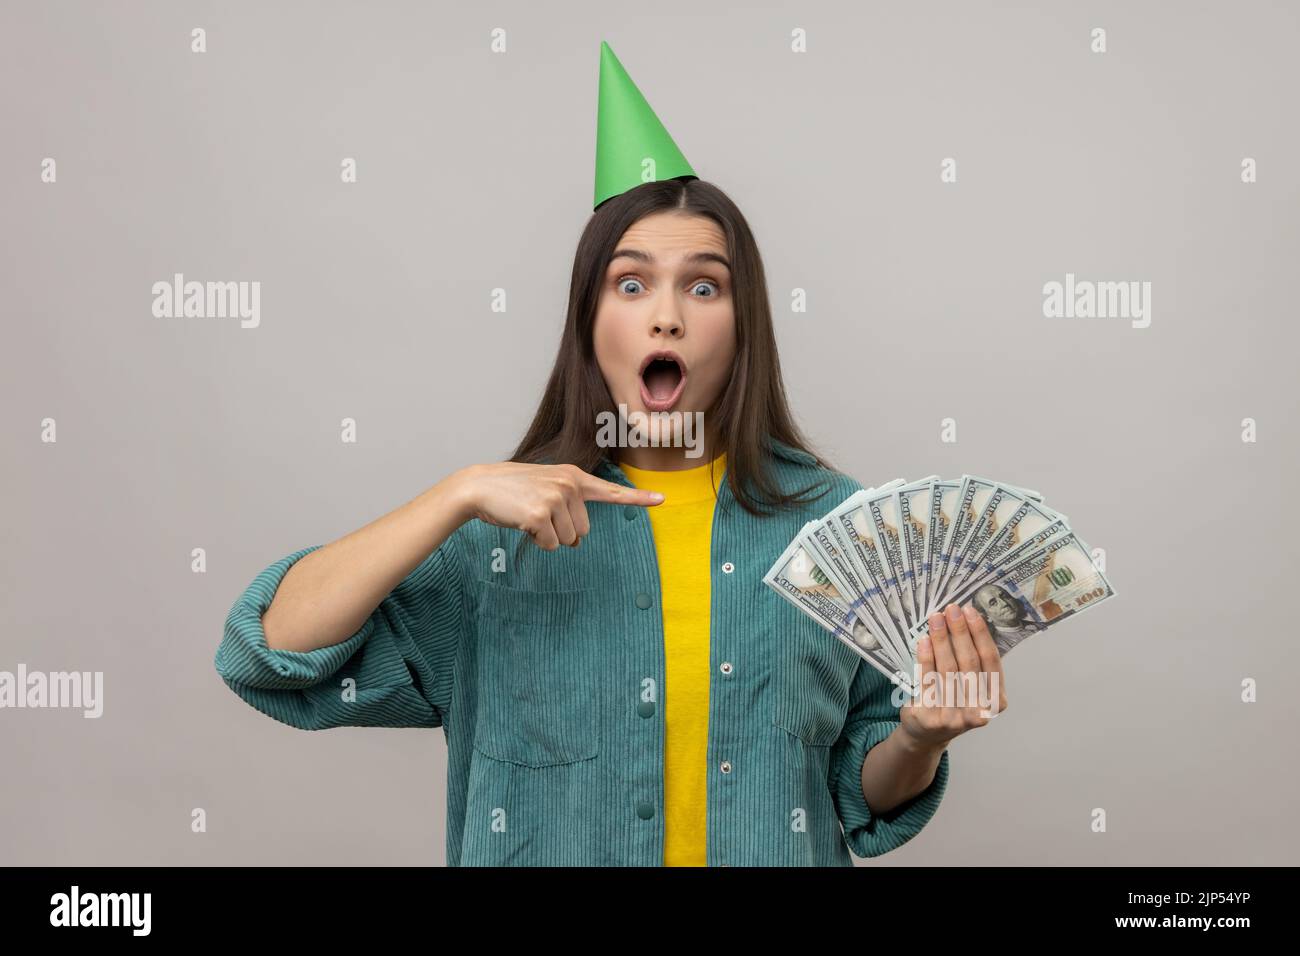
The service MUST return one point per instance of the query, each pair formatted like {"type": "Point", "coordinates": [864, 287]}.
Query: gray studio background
{"type": "Point", "coordinates": [475, 172]}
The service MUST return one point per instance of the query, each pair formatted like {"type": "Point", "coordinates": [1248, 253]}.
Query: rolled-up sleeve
{"type": "Point", "coordinates": [873, 717]}
{"type": "Point", "coordinates": [397, 670]}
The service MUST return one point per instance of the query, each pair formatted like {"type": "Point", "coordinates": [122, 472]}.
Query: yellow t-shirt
{"type": "Point", "coordinates": [683, 531]}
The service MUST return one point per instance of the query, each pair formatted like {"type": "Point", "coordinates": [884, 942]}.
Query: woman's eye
{"type": "Point", "coordinates": [629, 285]}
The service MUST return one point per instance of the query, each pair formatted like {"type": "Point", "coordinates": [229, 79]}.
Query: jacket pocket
{"type": "Point", "coordinates": [538, 669]}
{"type": "Point", "coordinates": [813, 674]}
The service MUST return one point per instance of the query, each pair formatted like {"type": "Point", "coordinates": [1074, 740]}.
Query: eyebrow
{"type": "Point", "coordinates": [695, 257]}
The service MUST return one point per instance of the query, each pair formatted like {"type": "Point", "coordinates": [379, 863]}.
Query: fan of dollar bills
{"type": "Point", "coordinates": [872, 570]}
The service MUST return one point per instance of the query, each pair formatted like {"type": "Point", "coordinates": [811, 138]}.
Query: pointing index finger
{"type": "Point", "coordinates": [598, 489]}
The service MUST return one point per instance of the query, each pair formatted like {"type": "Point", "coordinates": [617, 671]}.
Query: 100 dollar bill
{"type": "Point", "coordinates": [1050, 585]}
{"type": "Point", "coordinates": [797, 578]}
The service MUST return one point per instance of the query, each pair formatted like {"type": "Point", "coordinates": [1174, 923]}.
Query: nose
{"type": "Point", "coordinates": [666, 321]}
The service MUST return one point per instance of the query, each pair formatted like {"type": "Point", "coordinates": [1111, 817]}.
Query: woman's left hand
{"type": "Point", "coordinates": [959, 644]}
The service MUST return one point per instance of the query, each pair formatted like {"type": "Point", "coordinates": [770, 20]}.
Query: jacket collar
{"type": "Point", "coordinates": [790, 453]}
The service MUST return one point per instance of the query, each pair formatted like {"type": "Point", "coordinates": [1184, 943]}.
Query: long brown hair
{"type": "Point", "coordinates": [752, 409]}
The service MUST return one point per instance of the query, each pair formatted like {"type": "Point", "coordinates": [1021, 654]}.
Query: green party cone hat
{"type": "Point", "coordinates": [628, 133]}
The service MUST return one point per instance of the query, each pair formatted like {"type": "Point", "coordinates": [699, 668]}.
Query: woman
{"type": "Point", "coordinates": [589, 625]}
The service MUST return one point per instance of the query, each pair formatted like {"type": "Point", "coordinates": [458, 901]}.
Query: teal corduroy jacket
{"type": "Point", "coordinates": [545, 671]}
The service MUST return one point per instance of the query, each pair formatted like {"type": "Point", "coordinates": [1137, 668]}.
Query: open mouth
{"type": "Point", "coordinates": [663, 376]}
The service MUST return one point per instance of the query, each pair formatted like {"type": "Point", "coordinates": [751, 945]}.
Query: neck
{"type": "Point", "coordinates": [666, 458]}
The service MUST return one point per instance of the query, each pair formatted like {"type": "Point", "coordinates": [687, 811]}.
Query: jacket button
{"type": "Point", "coordinates": [728, 567]}
{"type": "Point", "coordinates": [726, 766]}
{"type": "Point", "coordinates": [725, 667]}
{"type": "Point", "coordinates": [629, 512]}
{"type": "Point", "coordinates": [643, 600]}
{"type": "Point", "coordinates": [645, 709]}
{"type": "Point", "coordinates": [644, 810]}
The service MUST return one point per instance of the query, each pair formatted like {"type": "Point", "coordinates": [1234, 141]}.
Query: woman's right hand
{"type": "Point", "coordinates": [548, 502]}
